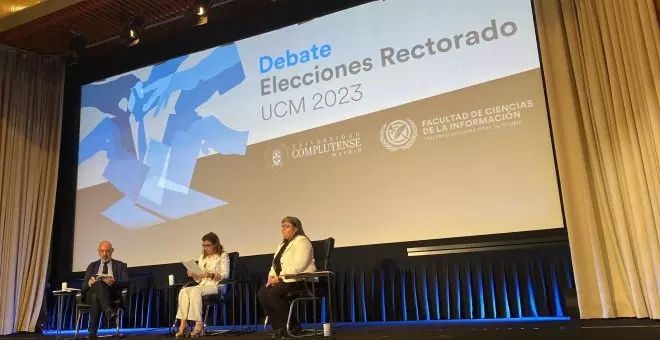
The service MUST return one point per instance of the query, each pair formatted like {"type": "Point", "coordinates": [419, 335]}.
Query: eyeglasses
{"type": "Point", "coordinates": [206, 245]}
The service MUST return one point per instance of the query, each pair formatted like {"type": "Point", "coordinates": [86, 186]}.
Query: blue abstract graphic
{"type": "Point", "coordinates": [155, 175]}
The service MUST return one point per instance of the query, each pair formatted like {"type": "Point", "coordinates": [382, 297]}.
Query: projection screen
{"type": "Point", "coordinates": [391, 121]}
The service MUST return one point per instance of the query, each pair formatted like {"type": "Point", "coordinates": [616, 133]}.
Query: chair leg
{"type": "Point", "coordinates": [78, 313]}
{"type": "Point", "coordinates": [120, 316]}
{"type": "Point", "coordinates": [206, 315]}
{"type": "Point", "coordinates": [294, 304]}
{"type": "Point", "coordinates": [288, 319]}
{"type": "Point", "coordinates": [173, 329]}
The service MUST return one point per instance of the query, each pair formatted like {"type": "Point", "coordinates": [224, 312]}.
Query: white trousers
{"type": "Point", "coordinates": [190, 302]}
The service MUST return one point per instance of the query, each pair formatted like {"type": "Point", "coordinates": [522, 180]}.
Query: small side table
{"type": "Point", "coordinates": [60, 295]}
{"type": "Point", "coordinates": [171, 296]}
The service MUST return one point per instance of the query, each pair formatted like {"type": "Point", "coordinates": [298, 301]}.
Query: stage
{"type": "Point", "coordinates": [460, 329]}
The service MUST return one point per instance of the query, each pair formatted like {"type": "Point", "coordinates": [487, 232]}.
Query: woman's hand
{"type": "Point", "coordinates": [200, 276]}
{"type": "Point", "coordinates": [272, 280]}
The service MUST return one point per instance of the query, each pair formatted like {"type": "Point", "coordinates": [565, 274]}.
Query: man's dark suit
{"type": "Point", "coordinates": [100, 295]}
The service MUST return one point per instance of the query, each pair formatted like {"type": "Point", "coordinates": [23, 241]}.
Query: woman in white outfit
{"type": "Point", "coordinates": [214, 261]}
{"type": "Point", "coordinates": [294, 255]}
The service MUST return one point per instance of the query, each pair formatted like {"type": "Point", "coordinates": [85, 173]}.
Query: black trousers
{"type": "Point", "coordinates": [100, 296]}
{"type": "Point", "coordinates": [273, 301]}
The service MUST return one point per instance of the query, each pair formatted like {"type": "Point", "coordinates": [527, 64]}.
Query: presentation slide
{"type": "Point", "coordinates": [388, 122]}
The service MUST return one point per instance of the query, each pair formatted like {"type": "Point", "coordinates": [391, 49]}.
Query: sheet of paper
{"type": "Point", "coordinates": [192, 266]}
{"type": "Point", "coordinates": [68, 290]}
{"type": "Point", "coordinates": [102, 276]}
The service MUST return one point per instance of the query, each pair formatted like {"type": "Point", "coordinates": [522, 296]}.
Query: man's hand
{"type": "Point", "coordinates": [109, 281]}
{"type": "Point", "coordinates": [272, 281]}
{"type": "Point", "coordinates": [91, 281]}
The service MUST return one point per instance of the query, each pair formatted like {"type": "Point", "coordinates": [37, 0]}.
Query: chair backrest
{"type": "Point", "coordinates": [323, 253]}
{"type": "Point", "coordinates": [233, 258]}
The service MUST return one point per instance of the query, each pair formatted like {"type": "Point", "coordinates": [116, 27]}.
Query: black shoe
{"type": "Point", "coordinates": [110, 315]}
{"type": "Point", "coordinates": [277, 334]}
{"type": "Point", "coordinates": [92, 336]}
{"type": "Point", "coordinates": [280, 333]}
{"type": "Point", "coordinates": [296, 330]}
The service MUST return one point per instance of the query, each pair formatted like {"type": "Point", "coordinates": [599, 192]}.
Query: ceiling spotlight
{"type": "Point", "coordinates": [130, 36]}
{"type": "Point", "coordinates": [200, 12]}
{"type": "Point", "coordinates": [76, 47]}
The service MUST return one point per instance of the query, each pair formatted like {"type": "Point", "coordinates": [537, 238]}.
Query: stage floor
{"type": "Point", "coordinates": [564, 330]}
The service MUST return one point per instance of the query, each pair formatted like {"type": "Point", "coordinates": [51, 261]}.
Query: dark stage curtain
{"type": "Point", "coordinates": [520, 284]}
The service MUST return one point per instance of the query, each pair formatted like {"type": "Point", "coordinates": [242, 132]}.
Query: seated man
{"type": "Point", "coordinates": [102, 292]}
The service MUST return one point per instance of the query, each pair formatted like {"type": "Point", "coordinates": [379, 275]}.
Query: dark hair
{"type": "Point", "coordinates": [215, 241]}
{"type": "Point", "coordinates": [296, 224]}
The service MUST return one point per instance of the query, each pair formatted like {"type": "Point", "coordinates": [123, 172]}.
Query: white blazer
{"type": "Point", "coordinates": [216, 264]}
{"type": "Point", "coordinates": [298, 257]}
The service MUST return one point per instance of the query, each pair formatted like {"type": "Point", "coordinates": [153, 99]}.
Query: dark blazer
{"type": "Point", "coordinates": [119, 270]}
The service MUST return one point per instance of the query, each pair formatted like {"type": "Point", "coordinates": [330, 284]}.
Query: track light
{"type": "Point", "coordinates": [76, 47]}
{"type": "Point", "coordinates": [130, 36]}
{"type": "Point", "coordinates": [199, 12]}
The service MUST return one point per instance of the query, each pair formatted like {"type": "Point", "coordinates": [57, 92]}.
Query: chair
{"type": "Point", "coordinates": [322, 256]}
{"type": "Point", "coordinates": [119, 304]}
{"type": "Point", "coordinates": [220, 299]}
